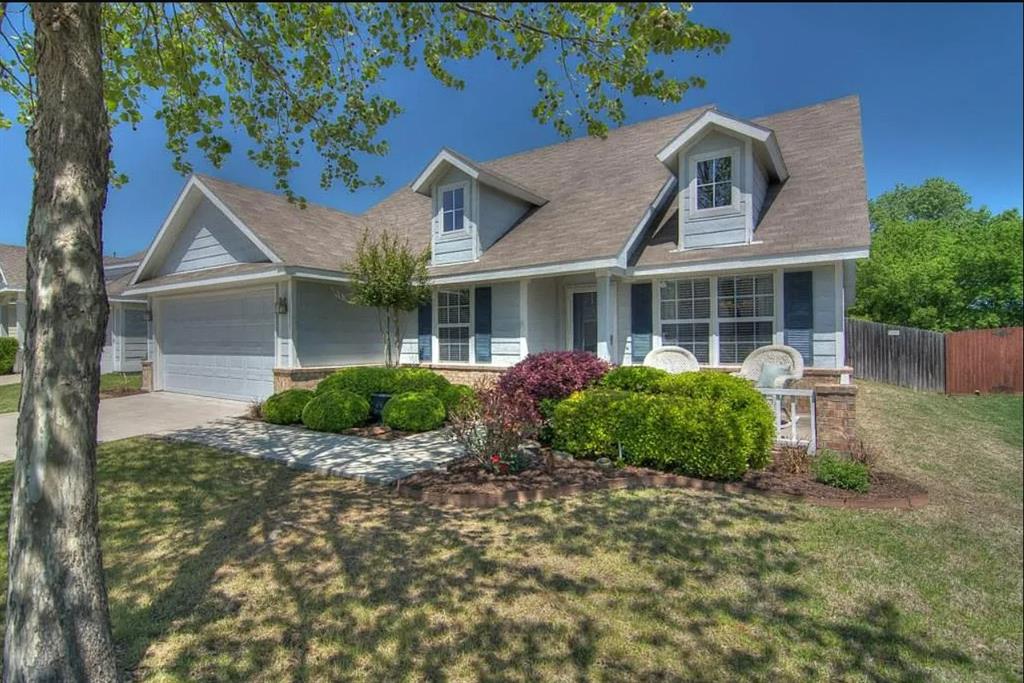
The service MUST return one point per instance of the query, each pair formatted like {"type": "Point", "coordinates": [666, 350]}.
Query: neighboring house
{"type": "Point", "coordinates": [125, 345]}
{"type": "Point", "coordinates": [697, 229]}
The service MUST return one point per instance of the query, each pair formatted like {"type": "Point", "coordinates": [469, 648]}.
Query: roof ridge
{"type": "Point", "coordinates": [613, 131]}
{"type": "Point", "coordinates": [276, 195]}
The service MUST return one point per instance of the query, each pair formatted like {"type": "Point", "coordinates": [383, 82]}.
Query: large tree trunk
{"type": "Point", "coordinates": [58, 627]}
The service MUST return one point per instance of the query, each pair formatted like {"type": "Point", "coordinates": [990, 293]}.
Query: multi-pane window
{"type": "Point", "coordinates": [714, 183]}
{"type": "Point", "coordinates": [686, 315]}
{"type": "Point", "coordinates": [452, 209]}
{"type": "Point", "coordinates": [453, 325]}
{"type": "Point", "coordinates": [746, 315]}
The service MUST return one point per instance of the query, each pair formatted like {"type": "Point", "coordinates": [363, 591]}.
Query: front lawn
{"type": "Point", "coordinates": [111, 384]}
{"type": "Point", "coordinates": [227, 568]}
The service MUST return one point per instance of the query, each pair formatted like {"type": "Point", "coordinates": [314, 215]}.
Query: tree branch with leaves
{"type": "Point", "coordinates": [288, 77]}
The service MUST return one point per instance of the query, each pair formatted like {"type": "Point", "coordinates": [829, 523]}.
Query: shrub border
{"type": "Point", "coordinates": [656, 481]}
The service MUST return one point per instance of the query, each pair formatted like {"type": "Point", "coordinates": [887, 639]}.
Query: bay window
{"type": "Point", "coordinates": [746, 315]}
{"type": "Point", "coordinates": [453, 325]}
{"type": "Point", "coordinates": [686, 315]}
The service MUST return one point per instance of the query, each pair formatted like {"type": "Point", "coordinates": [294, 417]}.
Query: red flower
{"type": "Point", "coordinates": [495, 458]}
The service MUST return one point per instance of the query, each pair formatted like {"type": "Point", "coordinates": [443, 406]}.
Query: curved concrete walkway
{"type": "Point", "coordinates": [341, 455]}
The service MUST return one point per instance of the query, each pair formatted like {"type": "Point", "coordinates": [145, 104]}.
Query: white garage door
{"type": "Point", "coordinates": [219, 345]}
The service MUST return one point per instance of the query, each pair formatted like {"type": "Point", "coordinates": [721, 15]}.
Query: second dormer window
{"type": "Point", "coordinates": [452, 209]}
{"type": "Point", "coordinates": [714, 183]}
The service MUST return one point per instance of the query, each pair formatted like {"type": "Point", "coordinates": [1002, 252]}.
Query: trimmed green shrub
{"type": "Point", "coordinates": [8, 353]}
{"type": "Point", "coordinates": [366, 381]}
{"type": "Point", "coordinates": [634, 378]}
{"type": "Point", "coordinates": [361, 381]}
{"type": "Point", "coordinates": [335, 411]}
{"type": "Point", "coordinates": [285, 408]}
{"type": "Point", "coordinates": [737, 393]}
{"type": "Point", "coordinates": [705, 437]}
{"type": "Point", "coordinates": [455, 395]}
{"type": "Point", "coordinates": [405, 380]}
{"type": "Point", "coordinates": [842, 473]}
{"type": "Point", "coordinates": [414, 412]}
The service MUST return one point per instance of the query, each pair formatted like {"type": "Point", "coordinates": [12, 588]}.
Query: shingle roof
{"type": "Point", "coordinates": [207, 274]}
{"type": "Point", "coordinates": [315, 237]}
{"type": "Point", "coordinates": [13, 264]}
{"type": "Point", "coordinates": [598, 189]}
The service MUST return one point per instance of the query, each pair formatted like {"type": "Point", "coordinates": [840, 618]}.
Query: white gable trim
{"type": "Point", "coordinates": [423, 182]}
{"type": "Point", "coordinates": [711, 118]}
{"type": "Point", "coordinates": [172, 226]}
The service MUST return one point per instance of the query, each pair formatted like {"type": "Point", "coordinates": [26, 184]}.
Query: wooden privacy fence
{"type": "Point", "coordinates": [985, 361]}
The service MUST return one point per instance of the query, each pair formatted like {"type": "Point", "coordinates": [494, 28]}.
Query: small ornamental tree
{"type": "Point", "coordinates": [389, 276]}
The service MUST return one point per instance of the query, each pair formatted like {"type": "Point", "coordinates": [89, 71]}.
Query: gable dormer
{"type": "Point", "coordinates": [724, 166]}
{"type": "Point", "coordinates": [471, 207]}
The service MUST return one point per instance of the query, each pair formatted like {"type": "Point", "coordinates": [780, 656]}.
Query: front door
{"type": "Point", "coordinates": [584, 321]}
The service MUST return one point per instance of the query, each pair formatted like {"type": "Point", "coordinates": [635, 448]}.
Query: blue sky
{"type": "Point", "coordinates": [940, 88]}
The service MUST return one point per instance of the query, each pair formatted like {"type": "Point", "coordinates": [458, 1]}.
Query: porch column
{"type": "Point", "coordinates": [524, 318]}
{"type": "Point", "coordinates": [21, 322]}
{"type": "Point", "coordinates": [606, 318]}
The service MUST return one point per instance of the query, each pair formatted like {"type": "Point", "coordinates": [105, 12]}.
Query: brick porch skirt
{"type": "Point", "coordinates": [835, 403]}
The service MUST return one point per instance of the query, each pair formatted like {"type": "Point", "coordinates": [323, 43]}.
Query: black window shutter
{"type": "Point", "coordinates": [641, 324]}
{"type": "Point", "coordinates": [482, 324]}
{"type": "Point", "coordinates": [798, 312]}
{"type": "Point", "coordinates": [424, 326]}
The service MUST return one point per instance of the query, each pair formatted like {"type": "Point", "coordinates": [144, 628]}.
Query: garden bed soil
{"type": "Point", "coordinates": [466, 484]}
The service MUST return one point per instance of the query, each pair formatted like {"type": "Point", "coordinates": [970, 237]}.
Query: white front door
{"type": "Point", "coordinates": [218, 344]}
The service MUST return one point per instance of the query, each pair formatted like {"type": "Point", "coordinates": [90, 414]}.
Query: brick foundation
{"type": "Point", "coordinates": [836, 416]}
{"type": "Point", "coordinates": [147, 375]}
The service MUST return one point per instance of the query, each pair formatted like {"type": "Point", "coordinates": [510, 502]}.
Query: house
{"type": "Point", "coordinates": [698, 229]}
{"type": "Point", "coordinates": [125, 345]}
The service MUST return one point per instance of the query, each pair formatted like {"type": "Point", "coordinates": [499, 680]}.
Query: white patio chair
{"type": "Point", "coordinates": [783, 362]}
{"type": "Point", "coordinates": [672, 359]}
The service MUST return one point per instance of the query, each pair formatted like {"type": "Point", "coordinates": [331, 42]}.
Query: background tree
{"type": "Point", "coordinates": [387, 275]}
{"type": "Point", "coordinates": [289, 76]}
{"type": "Point", "coordinates": [937, 264]}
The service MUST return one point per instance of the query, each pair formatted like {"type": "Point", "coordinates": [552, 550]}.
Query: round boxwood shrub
{"type": "Point", "coordinates": [698, 436]}
{"type": "Point", "coordinates": [404, 380]}
{"type": "Point", "coordinates": [455, 395]}
{"type": "Point", "coordinates": [553, 374]}
{"type": "Point", "coordinates": [8, 354]}
{"type": "Point", "coordinates": [634, 378]}
{"type": "Point", "coordinates": [285, 408]}
{"type": "Point", "coordinates": [415, 411]}
{"type": "Point", "coordinates": [362, 381]}
{"type": "Point", "coordinates": [335, 411]}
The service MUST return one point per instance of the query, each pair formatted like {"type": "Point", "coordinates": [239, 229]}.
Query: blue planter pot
{"type": "Point", "coordinates": [377, 402]}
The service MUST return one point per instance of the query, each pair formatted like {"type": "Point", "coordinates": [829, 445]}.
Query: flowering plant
{"type": "Point", "coordinates": [553, 375]}
{"type": "Point", "coordinates": [493, 428]}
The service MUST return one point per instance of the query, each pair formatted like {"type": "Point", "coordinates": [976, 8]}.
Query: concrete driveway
{"type": "Point", "coordinates": [140, 414]}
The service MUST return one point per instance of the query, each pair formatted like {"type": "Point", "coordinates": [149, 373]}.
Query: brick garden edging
{"type": "Point", "coordinates": [660, 481]}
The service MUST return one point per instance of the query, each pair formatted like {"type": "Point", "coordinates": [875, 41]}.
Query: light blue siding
{"type": "Point", "coordinates": [331, 331]}
{"type": "Point", "coordinates": [505, 323]}
{"type": "Point", "coordinates": [543, 316]}
{"type": "Point", "coordinates": [498, 213]}
{"type": "Point", "coordinates": [721, 226]}
{"type": "Point", "coordinates": [759, 192]}
{"type": "Point", "coordinates": [208, 240]}
{"type": "Point", "coordinates": [824, 317]}
{"type": "Point", "coordinates": [135, 332]}
{"type": "Point", "coordinates": [458, 246]}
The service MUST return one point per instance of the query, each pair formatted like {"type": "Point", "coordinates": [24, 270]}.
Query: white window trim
{"type": "Point", "coordinates": [734, 206]}
{"type": "Point", "coordinates": [436, 340]}
{"type": "Point", "coordinates": [749, 319]}
{"type": "Point", "coordinates": [569, 291]}
{"type": "Point", "coordinates": [691, 321]}
{"type": "Point", "coordinates": [714, 349]}
{"type": "Point", "coordinates": [459, 233]}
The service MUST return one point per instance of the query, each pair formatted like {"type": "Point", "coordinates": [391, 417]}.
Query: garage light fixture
{"type": "Point", "coordinates": [282, 305]}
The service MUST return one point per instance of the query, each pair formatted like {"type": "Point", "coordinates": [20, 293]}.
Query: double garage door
{"type": "Point", "coordinates": [218, 345]}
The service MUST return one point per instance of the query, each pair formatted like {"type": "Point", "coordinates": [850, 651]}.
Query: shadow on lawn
{"type": "Point", "coordinates": [268, 572]}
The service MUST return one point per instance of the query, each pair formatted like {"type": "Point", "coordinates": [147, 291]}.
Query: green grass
{"type": "Point", "coordinates": [111, 383]}
{"type": "Point", "coordinates": [226, 568]}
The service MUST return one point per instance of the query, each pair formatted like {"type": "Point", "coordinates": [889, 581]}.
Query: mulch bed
{"type": "Point", "coordinates": [465, 484]}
